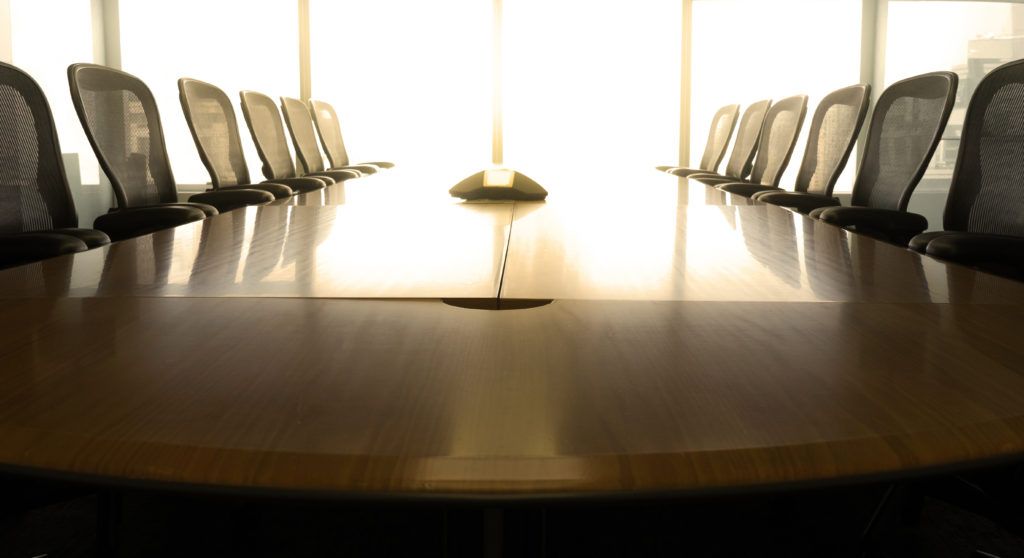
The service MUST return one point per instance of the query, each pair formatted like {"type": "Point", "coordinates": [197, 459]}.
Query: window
{"type": "Point", "coordinates": [233, 44]}
{"type": "Point", "coordinates": [969, 38]}
{"type": "Point", "coordinates": [410, 80]}
{"type": "Point", "coordinates": [591, 85]}
{"type": "Point", "coordinates": [746, 50]}
{"type": "Point", "coordinates": [34, 50]}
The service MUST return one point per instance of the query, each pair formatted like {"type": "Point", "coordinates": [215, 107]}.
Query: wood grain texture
{"type": "Point", "coordinates": [692, 251]}
{"type": "Point", "coordinates": [351, 251]}
{"type": "Point", "coordinates": [417, 398]}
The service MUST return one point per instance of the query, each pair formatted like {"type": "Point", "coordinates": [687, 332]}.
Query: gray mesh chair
{"type": "Point", "coordinates": [781, 128]}
{"type": "Point", "coordinates": [264, 122]}
{"type": "Point", "coordinates": [742, 157]}
{"type": "Point", "coordinates": [300, 128]}
{"type": "Point", "coordinates": [984, 217]}
{"type": "Point", "coordinates": [722, 126]}
{"type": "Point", "coordinates": [835, 128]}
{"type": "Point", "coordinates": [121, 120]}
{"type": "Point", "coordinates": [905, 129]}
{"type": "Point", "coordinates": [37, 212]}
{"type": "Point", "coordinates": [211, 119]}
{"type": "Point", "coordinates": [328, 127]}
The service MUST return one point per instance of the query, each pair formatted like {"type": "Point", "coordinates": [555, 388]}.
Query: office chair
{"type": "Point", "coordinates": [984, 217]}
{"type": "Point", "coordinates": [211, 119]}
{"type": "Point", "coordinates": [264, 122]}
{"type": "Point", "coordinates": [835, 128]}
{"type": "Point", "coordinates": [329, 129]}
{"type": "Point", "coordinates": [742, 157]}
{"type": "Point", "coordinates": [300, 128]}
{"type": "Point", "coordinates": [122, 123]}
{"type": "Point", "coordinates": [905, 129]}
{"type": "Point", "coordinates": [37, 212]}
{"type": "Point", "coordinates": [781, 128]}
{"type": "Point", "coordinates": [722, 127]}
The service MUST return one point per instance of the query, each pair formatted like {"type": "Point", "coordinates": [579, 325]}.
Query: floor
{"type": "Point", "coordinates": [819, 525]}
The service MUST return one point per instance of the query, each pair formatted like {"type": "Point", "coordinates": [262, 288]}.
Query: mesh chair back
{"type": "Point", "coordinates": [987, 194]}
{"type": "Point", "coordinates": [121, 120]}
{"type": "Point", "coordinates": [781, 127]}
{"type": "Point", "coordinates": [722, 127]}
{"type": "Point", "coordinates": [264, 121]}
{"type": "Point", "coordinates": [211, 119]}
{"type": "Point", "coordinates": [905, 129]}
{"type": "Point", "coordinates": [329, 126]}
{"type": "Point", "coordinates": [834, 130]}
{"type": "Point", "coordinates": [747, 137]}
{"type": "Point", "coordinates": [34, 192]}
{"type": "Point", "coordinates": [300, 125]}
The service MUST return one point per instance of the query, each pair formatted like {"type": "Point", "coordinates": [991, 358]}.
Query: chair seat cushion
{"type": "Point", "coordinates": [91, 237]}
{"type": "Point", "coordinates": [228, 200]}
{"type": "Point", "coordinates": [800, 201]}
{"type": "Point", "coordinates": [137, 221]}
{"type": "Point", "coordinates": [361, 169]}
{"type": "Point", "coordinates": [685, 171]}
{"type": "Point", "coordinates": [745, 189]}
{"type": "Point", "coordinates": [1000, 254]}
{"type": "Point", "coordinates": [26, 247]}
{"type": "Point", "coordinates": [337, 175]}
{"type": "Point", "coordinates": [279, 191]}
{"type": "Point", "coordinates": [919, 243]}
{"type": "Point", "coordinates": [301, 184]}
{"type": "Point", "coordinates": [379, 164]}
{"type": "Point", "coordinates": [898, 227]}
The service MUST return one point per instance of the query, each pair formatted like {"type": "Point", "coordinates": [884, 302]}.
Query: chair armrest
{"type": "Point", "coordinates": [991, 252]}
{"type": "Point", "coordinates": [802, 202]}
{"type": "Point", "coordinates": [130, 222]}
{"type": "Point", "coordinates": [21, 248]}
{"type": "Point", "coordinates": [228, 200]}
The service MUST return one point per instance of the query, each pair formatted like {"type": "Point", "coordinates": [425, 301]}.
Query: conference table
{"type": "Point", "coordinates": [380, 339]}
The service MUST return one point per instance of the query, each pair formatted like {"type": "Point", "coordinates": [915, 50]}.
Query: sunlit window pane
{"type": "Point", "coordinates": [411, 80]}
{"type": "Point", "coordinates": [745, 50]}
{"type": "Point", "coordinates": [234, 44]}
{"type": "Point", "coordinates": [35, 50]}
{"type": "Point", "coordinates": [969, 38]}
{"type": "Point", "coordinates": [591, 85]}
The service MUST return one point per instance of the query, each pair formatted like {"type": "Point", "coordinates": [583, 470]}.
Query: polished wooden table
{"type": "Point", "coordinates": [695, 344]}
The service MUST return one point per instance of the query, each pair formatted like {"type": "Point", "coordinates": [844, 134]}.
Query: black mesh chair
{"type": "Point", "coordinates": [121, 120]}
{"type": "Point", "coordinates": [264, 122]}
{"type": "Point", "coordinates": [211, 119]}
{"type": "Point", "coordinates": [742, 157]}
{"type": "Point", "coordinates": [984, 216]}
{"type": "Point", "coordinates": [722, 126]}
{"type": "Point", "coordinates": [781, 128]}
{"type": "Point", "coordinates": [328, 128]}
{"type": "Point", "coordinates": [905, 129]}
{"type": "Point", "coordinates": [835, 128]}
{"type": "Point", "coordinates": [300, 128]}
{"type": "Point", "coordinates": [37, 212]}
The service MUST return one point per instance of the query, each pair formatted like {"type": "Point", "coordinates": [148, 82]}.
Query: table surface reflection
{"type": "Point", "coordinates": [695, 343]}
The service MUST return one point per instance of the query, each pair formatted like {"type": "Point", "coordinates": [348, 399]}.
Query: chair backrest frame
{"type": "Point", "coordinates": [303, 134]}
{"type": "Point", "coordinates": [51, 197]}
{"type": "Point", "coordinates": [896, 158]}
{"type": "Point", "coordinates": [328, 127]}
{"type": "Point", "coordinates": [834, 130]}
{"type": "Point", "coordinates": [723, 124]}
{"type": "Point", "coordinates": [264, 122]}
{"type": "Point", "coordinates": [228, 170]}
{"type": "Point", "coordinates": [779, 133]}
{"type": "Point", "coordinates": [137, 178]}
{"type": "Point", "coordinates": [748, 136]}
